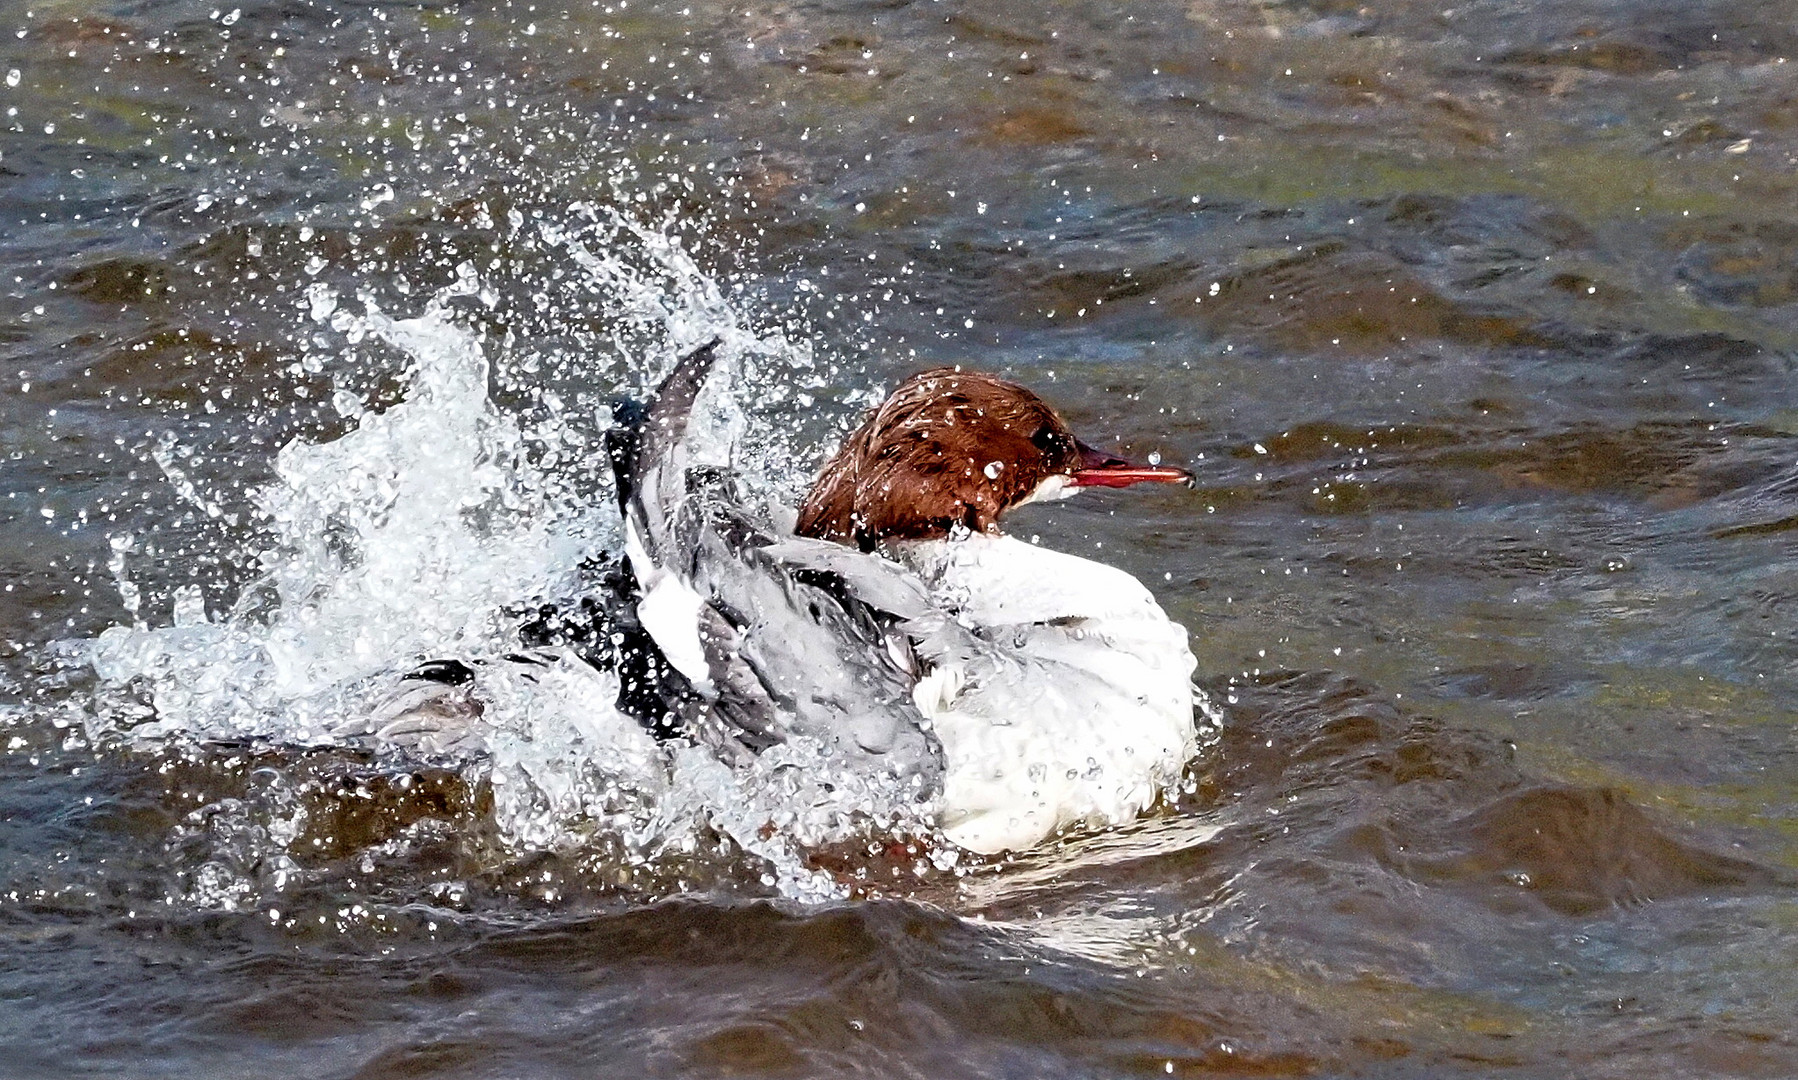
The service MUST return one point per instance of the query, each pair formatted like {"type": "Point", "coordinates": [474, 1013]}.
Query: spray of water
{"type": "Point", "coordinates": [415, 534]}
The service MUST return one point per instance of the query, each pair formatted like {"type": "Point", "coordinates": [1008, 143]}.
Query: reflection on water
{"type": "Point", "coordinates": [1476, 323]}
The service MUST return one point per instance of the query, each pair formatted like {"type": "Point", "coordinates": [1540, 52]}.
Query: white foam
{"type": "Point", "coordinates": [407, 538]}
{"type": "Point", "coordinates": [400, 541]}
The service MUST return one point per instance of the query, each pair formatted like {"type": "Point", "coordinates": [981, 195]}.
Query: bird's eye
{"type": "Point", "coordinates": [1047, 439]}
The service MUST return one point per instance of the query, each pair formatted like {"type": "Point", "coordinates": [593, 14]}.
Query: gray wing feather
{"type": "Point", "coordinates": [657, 483]}
{"type": "Point", "coordinates": [801, 637]}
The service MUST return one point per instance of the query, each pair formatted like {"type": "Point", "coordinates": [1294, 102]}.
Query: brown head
{"type": "Point", "coordinates": [954, 448]}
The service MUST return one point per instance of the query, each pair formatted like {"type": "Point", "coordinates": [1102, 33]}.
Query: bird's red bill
{"type": "Point", "coordinates": [1099, 469]}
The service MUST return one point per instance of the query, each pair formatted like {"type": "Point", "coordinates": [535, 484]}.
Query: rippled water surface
{"type": "Point", "coordinates": [1476, 321]}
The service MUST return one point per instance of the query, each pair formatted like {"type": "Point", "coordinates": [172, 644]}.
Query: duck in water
{"type": "Point", "coordinates": [1015, 691]}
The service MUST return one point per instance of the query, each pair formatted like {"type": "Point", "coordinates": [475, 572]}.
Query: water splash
{"type": "Point", "coordinates": [401, 540]}
{"type": "Point", "coordinates": [415, 534]}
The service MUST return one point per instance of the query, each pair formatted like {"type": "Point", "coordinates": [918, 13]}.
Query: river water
{"type": "Point", "coordinates": [1476, 321]}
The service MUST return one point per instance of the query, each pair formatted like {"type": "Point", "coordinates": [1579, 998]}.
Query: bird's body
{"type": "Point", "coordinates": [1010, 690]}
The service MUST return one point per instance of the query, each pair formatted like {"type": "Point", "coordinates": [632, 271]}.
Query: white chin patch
{"type": "Point", "coordinates": [1053, 488]}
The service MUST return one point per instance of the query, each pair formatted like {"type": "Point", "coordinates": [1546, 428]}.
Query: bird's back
{"type": "Point", "coordinates": [780, 643]}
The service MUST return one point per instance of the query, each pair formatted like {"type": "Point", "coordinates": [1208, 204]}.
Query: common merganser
{"type": "Point", "coordinates": [1031, 688]}
{"type": "Point", "coordinates": [1014, 690]}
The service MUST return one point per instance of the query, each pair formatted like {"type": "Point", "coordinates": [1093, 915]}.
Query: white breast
{"type": "Point", "coordinates": [1078, 711]}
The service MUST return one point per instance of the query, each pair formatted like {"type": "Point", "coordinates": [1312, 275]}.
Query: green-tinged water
{"type": "Point", "coordinates": [1476, 323]}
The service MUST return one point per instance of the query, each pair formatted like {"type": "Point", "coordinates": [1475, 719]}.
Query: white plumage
{"type": "Point", "coordinates": [1078, 710]}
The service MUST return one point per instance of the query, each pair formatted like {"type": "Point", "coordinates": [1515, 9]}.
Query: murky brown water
{"type": "Point", "coordinates": [1477, 322]}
